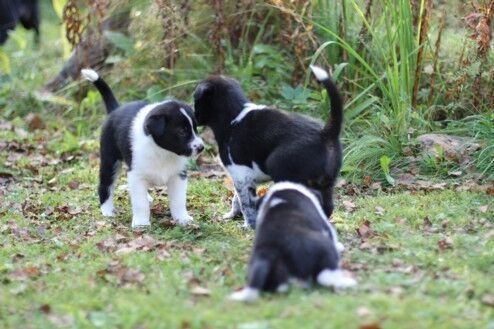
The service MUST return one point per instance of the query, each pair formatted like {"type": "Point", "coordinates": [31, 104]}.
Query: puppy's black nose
{"type": "Point", "coordinates": [200, 148]}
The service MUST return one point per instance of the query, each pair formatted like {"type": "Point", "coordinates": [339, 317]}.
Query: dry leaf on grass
{"type": "Point", "coordinates": [487, 299]}
{"type": "Point", "coordinates": [370, 326]}
{"type": "Point", "coordinates": [365, 231]}
{"type": "Point", "coordinates": [446, 243]}
{"type": "Point", "coordinates": [349, 206]}
{"type": "Point", "coordinates": [34, 121]}
{"type": "Point", "coordinates": [379, 210]}
{"type": "Point", "coordinates": [25, 273]}
{"type": "Point", "coordinates": [200, 291]}
{"type": "Point", "coordinates": [45, 309]}
{"type": "Point", "coordinates": [123, 275]}
{"type": "Point", "coordinates": [484, 209]}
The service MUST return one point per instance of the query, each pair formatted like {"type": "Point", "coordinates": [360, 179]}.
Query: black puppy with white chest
{"type": "Point", "coordinates": [257, 143]}
{"type": "Point", "coordinates": [155, 141]}
{"type": "Point", "coordinates": [294, 242]}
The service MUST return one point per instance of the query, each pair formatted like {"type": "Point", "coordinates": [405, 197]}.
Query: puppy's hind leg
{"type": "Point", "coordinates": [248, 198]}
{"type": "Point", "coordinates": [177, 194]}
{"type": "Point", "coordinates": [331, 274]}
{"type": "Point", "coordinates": [235, 210]}
{"type": "Point", "coordinates": [138, 197]}
{"type": "Point", "coordinates": [335, 278]}
{"type": "Point", "coordinates": [258, 276]}
{"type": "Point", "coordinates": [109, 170]}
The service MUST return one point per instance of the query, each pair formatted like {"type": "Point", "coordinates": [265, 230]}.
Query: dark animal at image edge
{"type": "Point", "coordinates": [12, 12]}
{"type": "Point", "coordinates": [155, 141]}
{"type": "Point", "coordinates": [294, 243]}
{"type": "Point", "coordinates": [257, 143]}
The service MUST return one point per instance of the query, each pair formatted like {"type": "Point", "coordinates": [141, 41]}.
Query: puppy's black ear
{"type": "Point", "coordinates": [155, 125]}
{"type": "Point", "coordinates": [202, 89]}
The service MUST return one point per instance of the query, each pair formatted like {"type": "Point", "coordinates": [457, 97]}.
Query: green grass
{"type": "Point", "coordinates": [405, 279]}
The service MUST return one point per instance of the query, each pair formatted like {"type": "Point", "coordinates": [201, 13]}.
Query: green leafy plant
{"type": "Point", "coordinates": [385, 166]}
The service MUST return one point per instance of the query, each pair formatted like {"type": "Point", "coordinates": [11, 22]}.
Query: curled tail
{"type": "Point", "coordinates": [111, 102]}
{"type": "Point", "coordinates": [332, 129]}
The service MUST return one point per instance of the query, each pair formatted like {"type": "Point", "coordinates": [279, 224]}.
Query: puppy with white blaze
{"type": "Point", "coordinates": [257, 143]}
{"type": "Point", "coordinates": [294, 242]}
{"type": "Point", "coordinates": [154, 141]}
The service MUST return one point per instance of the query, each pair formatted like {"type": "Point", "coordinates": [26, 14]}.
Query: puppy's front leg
{"type": "Point", "coordinates": [177, 194]}
{"type": "Point", "coordinates": [138, 196]}
{"type": "Point", "coordinates": [235, 210]}
{"type": "Point", "coordinates": [247, 196]}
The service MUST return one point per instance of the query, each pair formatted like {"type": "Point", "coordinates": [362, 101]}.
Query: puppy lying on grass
{"type": "Point", "coordinates": [154, 141]}
{"type": "Point", "coordinates": [294, 241]}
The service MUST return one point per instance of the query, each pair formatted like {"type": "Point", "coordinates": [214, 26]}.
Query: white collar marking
{"type": "Point", "coordinates": [248, 107]}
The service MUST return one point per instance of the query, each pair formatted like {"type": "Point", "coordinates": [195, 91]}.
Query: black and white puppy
{"type": "Point", "coordinates": [257, 143]}
{"type": "Point", "coordinates": [294, 242]}
{"type": "Point", "coordinates": [154, 140]}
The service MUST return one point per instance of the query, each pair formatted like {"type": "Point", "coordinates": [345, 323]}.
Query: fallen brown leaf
{"type": "Point", "coordinates": [446, 243]}
{"type": "Point", "coordinates": [228, 183]}
{"type": "Point", "coordinates": [73, 185]}
{"type": "Point", "coordinates": [370, 326]}
{"type": "Point", "coordinates": [365, 231]}
{"type": "Point", "coordinates": [428, 227]}
{"type": "Point", "coordinates": [379, 210]}
{"type": "Point", "coordinates": [66, 212]}
{"type": "Point", "coordinates": [363, 312]}
{"type": "Point", "coordinates": [200, 291]}
{"type": "Point", "coordinates": [45, 309]}
{"type": "Point", "coordinates": [25, 273]}
{"type": "Point", "coordinates": [349, 206]}
{"type": "Point", "coordinates": [487, 299]}
{"type": "Point", "coordinates": [367, 181]}
{"type": "Point", "coordinates": [484, 209]}
{"type": "Point", "coordinates": [34, 121]}
{"type": "Point", "coordinates": [123, 275]}
{"type": "Point", "coordinates": [262, 190]}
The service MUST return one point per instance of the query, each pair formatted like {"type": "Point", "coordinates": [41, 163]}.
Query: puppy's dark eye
{"type": "Point", "coordinates": [183, 132]}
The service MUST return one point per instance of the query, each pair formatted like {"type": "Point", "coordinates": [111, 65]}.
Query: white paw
{"type": "Point", "coordinates": [184, 219]}
{"type": "Point", "coordinates": [229, 215]}
{"type": "Point", "coordinates": [140, 222]}
{"type": "Point", "coordinates": [150, 198]}
{"type": "Point", "coordinates": [282, 288]}
{"type": "Point", "coordinates": [339, 246]}
{"type": "Point", "coordinates": [245, 295]}
{"type": "Point", "coordinates": [337, 279]}
{"type": "Point", "coordinates": [107, 209]}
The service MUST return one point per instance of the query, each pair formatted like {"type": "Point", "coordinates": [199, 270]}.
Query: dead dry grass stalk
{"type": "Point", "coordinates": [297, 32]}
{"type": "Point", "coordinates": [169, 12]}
{"type": "Point", "coordinates": [425, 17]}
{"type": "Point", "coordinates": [219, 32]}
{"type": "Point", "coordinates": [437, 50]}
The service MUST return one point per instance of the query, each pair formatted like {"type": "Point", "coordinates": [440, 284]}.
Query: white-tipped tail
{"type": "Point", "coordinates": [320, 73]}
{"type": "Point", "coordinates": [336, 278]}
{"type": "Point", "coordinates": [245, 295]}
{"type": "Point", "coordinates": [90, 75]}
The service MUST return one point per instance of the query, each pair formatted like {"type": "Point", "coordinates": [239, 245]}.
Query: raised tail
{"type": "Point", "coordinates": [111, 102]}
{"type": "Point", "coordinates": [332, 129]}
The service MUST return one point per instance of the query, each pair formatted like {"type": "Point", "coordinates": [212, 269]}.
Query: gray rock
{"type": "Point", "coordinates": [453, 148]}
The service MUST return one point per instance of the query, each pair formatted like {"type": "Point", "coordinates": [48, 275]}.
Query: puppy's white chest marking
{"type": "Point", "coordinates": [152, 163]}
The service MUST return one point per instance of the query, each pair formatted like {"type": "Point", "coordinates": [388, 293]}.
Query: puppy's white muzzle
{"type": "Point", "coordinates": [197, 146]}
